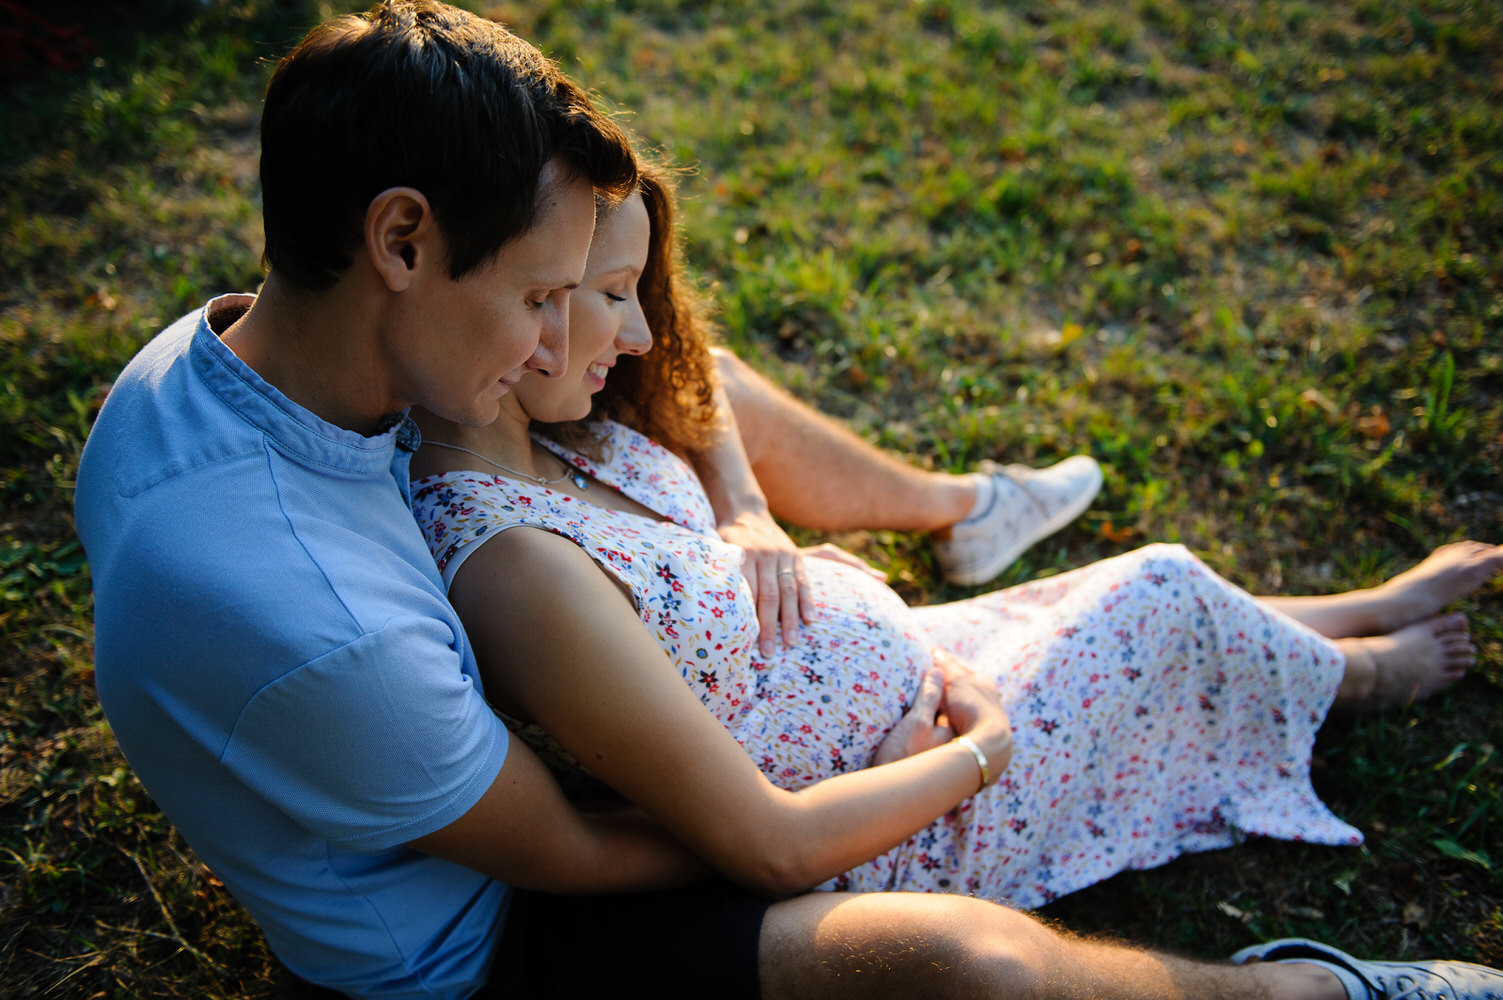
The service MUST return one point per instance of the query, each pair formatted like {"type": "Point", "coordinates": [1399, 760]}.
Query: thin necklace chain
{"type": "Point", "coordinates": [569, 471]}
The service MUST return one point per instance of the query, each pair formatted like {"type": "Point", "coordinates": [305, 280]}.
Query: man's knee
{"type": "Point", "coordinates": [733, 372]}
{"type": "Point", "coordinates": [753, 400]}
{"type": "Point", "coordinates": [901, 945]}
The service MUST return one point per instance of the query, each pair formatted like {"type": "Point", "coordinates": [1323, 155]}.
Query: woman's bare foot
{"type": "Point", "coordinates": [1449, 573]}
{"type": "Point", "coordinates": [1411, 664]}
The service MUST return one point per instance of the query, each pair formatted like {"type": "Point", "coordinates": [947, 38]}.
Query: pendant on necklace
{"type": "Point", "coordinates": [578, 479]}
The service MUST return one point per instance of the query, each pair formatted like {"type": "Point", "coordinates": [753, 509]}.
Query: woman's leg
{"type": "Point", "coordinates": [1447, 574]}
{"type": "Point", "coordinates": [1398, 647]}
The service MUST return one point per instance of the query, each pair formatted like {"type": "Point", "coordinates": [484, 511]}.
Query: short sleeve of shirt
{"type": "Point", "coordinates": [375, 743]}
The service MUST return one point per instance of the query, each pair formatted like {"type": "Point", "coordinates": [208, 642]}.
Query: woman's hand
{"type": "Point", "coordinates": [973, 708]}
{"type": "Point", "coordinates": [921, 727]}
{"type": "Point", "coordinates": [774, 567]}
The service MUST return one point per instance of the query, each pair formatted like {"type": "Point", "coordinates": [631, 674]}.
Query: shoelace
{"type": "Point", "coordinates": [1018, 476]}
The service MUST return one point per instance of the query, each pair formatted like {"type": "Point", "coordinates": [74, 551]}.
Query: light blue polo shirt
{"type": "Point", "coordinates": [277, 658]}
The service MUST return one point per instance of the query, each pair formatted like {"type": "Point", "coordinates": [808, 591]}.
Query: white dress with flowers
{"type": "Point", "coordinates": [1157, 709]}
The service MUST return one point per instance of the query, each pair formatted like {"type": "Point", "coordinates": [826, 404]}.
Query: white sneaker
{"type": "Point", "coordinates": [1386, 980]}
{"type": "Point", "coordinates": [1028, 505]}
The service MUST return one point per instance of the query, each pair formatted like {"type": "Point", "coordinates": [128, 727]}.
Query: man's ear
{"type": "Point", "coordinates": [401, 236]}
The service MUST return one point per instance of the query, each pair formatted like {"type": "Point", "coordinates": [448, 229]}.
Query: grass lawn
{"type": "Point", "coordinates": [1248, 254]}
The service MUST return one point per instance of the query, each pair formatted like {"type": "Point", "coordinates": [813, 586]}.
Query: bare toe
{"type": "Point", "coordinates": [1451, 625]}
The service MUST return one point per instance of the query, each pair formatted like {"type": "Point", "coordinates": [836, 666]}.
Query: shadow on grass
{"type": "Point", "coordinates": [63, 60]}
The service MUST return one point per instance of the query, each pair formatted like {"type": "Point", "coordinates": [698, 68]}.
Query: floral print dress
{"type": "Point", "coordinates": [1156, 708]}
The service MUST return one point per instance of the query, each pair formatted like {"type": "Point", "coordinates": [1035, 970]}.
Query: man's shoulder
{"type": "Point", "coordinates": [160, 419]}
{"type": "Point", "coordinates": [202, 492]}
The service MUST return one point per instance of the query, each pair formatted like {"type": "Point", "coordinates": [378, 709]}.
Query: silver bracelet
{"type": "Point", "coordinates": [981, 762]}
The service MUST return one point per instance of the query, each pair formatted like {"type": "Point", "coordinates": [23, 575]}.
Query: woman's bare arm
{"type": "Point", "coordinates": [559, 644]}
{"type": "Point", "coordinates": [772, 563]}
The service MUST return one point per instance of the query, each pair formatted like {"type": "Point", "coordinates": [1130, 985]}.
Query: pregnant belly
{"type": "Point", "coordinates": [824, 704]}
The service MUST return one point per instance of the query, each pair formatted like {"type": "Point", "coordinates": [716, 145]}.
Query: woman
{"type": "Point", "coordinates": [1151, 708]}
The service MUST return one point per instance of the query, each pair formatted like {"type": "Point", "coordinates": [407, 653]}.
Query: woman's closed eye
{"type": "Point", "coordinates": [614, 297]}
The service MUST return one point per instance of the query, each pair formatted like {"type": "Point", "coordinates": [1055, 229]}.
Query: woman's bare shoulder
{"type": "Point", "coordinates": [531, 569]}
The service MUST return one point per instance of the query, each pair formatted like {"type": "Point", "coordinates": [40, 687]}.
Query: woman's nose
{"type": "Point", "coordinates": [635, 337]}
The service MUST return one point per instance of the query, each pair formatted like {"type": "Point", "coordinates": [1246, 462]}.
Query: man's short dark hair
{"type": "Point", "coordinates": [419, 94]}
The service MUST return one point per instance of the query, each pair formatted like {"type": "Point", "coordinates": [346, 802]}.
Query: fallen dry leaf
{"type": "Point", "coordinates": [1314, 397]}
{"type": "Point", "coordinates": [1374, 426]}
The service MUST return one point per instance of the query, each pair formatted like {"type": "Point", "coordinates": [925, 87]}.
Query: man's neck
{"type": "Point", "coordinates": [318, 349]}
{"type": "Point", "coordinates": [506, 440]}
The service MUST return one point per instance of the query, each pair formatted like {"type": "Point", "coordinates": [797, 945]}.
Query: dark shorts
{"type": "Point", "coordinates": [688, 943]}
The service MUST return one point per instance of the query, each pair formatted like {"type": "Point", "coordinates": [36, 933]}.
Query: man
{"type": "Point", "coordinates": [274, 648]}
{"type": "Point", "coordinates": [274, 652]}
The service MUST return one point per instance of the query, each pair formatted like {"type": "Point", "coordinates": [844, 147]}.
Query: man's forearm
{"type": "Point", "coordinates": [525, 832]}
{"type": "Point", "coordinates": [633, 853]}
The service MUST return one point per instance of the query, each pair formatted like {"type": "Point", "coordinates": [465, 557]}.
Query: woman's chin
{"type": "Point", "coordinates": [561, 413]}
